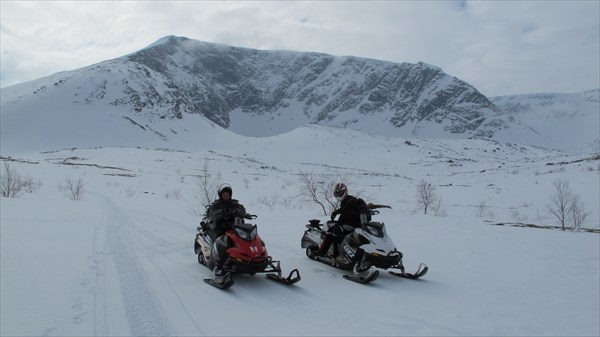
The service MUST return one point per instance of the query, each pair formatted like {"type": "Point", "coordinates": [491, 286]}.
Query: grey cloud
{"type": "Point", "coordinates": [499, 47]}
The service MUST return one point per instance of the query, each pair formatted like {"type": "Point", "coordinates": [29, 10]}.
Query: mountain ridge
{"type": "Point", "coordinates": [328, 86]}
{"type": "Point", "coordinates": [263, 93]}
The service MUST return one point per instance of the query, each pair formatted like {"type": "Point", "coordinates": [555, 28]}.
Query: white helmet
{"type": "Point", "coordinates": [225, 188]}
{"type": "Point", "coordinates": [340, 191]}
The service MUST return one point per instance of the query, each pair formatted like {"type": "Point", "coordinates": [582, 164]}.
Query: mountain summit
{"type": "Point", "coordinates": [160, 89]}
{"type": "Point", "coordinates": [288, 89]}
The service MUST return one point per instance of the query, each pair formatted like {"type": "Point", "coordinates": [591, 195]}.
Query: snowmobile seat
{"type": "Point", "coordinates": [314, 223]}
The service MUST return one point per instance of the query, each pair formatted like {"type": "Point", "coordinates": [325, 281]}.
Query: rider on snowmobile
{"type": "Point", "coordinates": [222, 213]}
{"type": "Point", "coordinates": [350, 211]}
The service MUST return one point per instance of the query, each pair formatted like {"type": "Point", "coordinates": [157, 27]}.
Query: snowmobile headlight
{"type": "Point", "coordinates": [242, 233]}
{"type": "Point", "coordinates": [247, 234]}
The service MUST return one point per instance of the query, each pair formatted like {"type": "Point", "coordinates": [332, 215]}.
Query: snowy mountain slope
{"type": "Point", "coordinates": [570, 119]}
{"type": "Point", "coordinates": [122, 260]}
{"type": "Point", "coordinates": [175, 90]}
{"type": "Point", "coordinates": [318, 87]}
{"type": "Point", "coordinates": [63, 114]}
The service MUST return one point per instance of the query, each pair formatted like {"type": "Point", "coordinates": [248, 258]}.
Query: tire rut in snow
{"type": "Point", "coordinates": [143, 309]}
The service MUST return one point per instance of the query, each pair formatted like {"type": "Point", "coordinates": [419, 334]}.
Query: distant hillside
{"type": "Point", "coordinates": [571, 119]}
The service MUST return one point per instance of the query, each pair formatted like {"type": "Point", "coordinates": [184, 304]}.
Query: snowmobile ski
{"type": "Point", "coordinates": [372, 276]}
{"type": "Point", "coordinates": [420, 272]}
{"type": "Point", "coordinates": [291, 279]}
{"type": "Point", "coordinates": [221, 282]}
{"type": "Point", "coordinates": [358, 277]}
{"type": "Point", "coordinates": [362, 275]}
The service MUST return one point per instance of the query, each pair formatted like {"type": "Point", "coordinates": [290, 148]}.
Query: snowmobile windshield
{"type": "Point", "coordinates": [246, 232]}
{"type": "Point", "coordinates": [376, 229]}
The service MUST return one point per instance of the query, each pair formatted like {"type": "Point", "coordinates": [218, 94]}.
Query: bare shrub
{"type": "Point", "coordinates": [31, 186]}
{"type": "Point", "coordinates": [208, 185]}
{"type": "Point", "coordinates": [10, 182]}
{"type": "Point", "coordinates": [287, 202]}
{"type": "Point", "coordinates": [516, 216]}
{"type": "Point", "coordinates": [560, 202]}
{"type": "Point", "coordinates": [425, 195]}
{"type": "Point", "coordinates": [73, 189]}
{"type": "Point", "coordinates": [578, 214]}
{"type": "Point", "coordinates": [566, 207]}
{"type": "Point", "coordinates": [270, 202]}
{"type": "Point", "coordinates": [438, 209]}
{"type": "Point", "coordinates": [173, 194]}
{"type": "Point", "coordinates": [317, 189]}
{"type": "Point", "coordinates": [481, 208]}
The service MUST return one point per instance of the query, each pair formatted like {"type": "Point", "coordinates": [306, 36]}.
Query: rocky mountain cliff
{"type": "Point", "coordinates": [164, 87]}
{"type": "Point", "coordinates": [215, 80]}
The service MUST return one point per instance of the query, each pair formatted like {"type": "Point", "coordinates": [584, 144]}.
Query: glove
{"type": "Point", "coordinates": [336, 212]}
{"type": "Point", "coordinates": [228, 213]}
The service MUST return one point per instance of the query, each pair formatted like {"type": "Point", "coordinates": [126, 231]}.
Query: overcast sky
{"type": "Point", "coordinates": [500, 47]}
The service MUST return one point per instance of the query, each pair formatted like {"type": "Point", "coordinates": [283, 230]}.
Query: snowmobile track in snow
{"type": "Point", "coordinates": [142, 308]}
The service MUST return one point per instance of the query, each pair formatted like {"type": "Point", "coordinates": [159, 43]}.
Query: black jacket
{"type": "Point", "coordinates": [220, 212]}
{"type": "Point", "coordinates": [349, 211]}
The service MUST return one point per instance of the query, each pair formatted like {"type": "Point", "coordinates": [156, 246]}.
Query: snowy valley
{"type": "Point", "coordinates": [120, 261]}
{"type": "Point", "coordinates": [117, 258]}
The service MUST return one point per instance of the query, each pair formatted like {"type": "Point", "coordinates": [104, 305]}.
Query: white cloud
{"type": "Point", "coordinates": [499, 47]}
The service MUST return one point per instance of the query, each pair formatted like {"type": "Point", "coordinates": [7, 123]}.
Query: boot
{"type": "Point", "coordinates": [324, 246]}
{"type": "Point", "coordinates": [335, 251]}
{"type": "Point", "coordinates": [218, 271]}
{"type": "Point", "coordinates": [336, 245]}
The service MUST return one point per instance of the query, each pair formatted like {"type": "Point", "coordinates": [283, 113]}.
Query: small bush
{"type": "Point", "coordinates": [426, 197]}
{"type": "Point", "coordinates": [566, 207]}
{"type": "Point", "coordinates": [10, 182]}
{"type": "Point", "coordinates": [73, 189]}
{"type": "Point", "coordinates": [31, 186]}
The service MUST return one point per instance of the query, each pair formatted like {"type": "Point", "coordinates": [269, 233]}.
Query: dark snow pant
{"type": "Point", "coordinates": [332, 236]}
{"type": "Point", "coordinates": [220, 250]}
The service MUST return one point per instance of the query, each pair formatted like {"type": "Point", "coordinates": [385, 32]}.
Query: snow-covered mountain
{"type": "Point", "coordinates": [176, 89]}
{"type": "Point", "coordinates": [290, 89]}
{"type": "Point", "coordinates": [571, 119]}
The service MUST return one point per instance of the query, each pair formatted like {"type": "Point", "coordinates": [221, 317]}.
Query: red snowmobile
{"type": "Point", "coordinates": [245, 253]}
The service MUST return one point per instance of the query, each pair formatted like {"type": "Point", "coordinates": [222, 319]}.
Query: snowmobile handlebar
{"type": "Point", "coordinates": [250, 216]}
{"type": "Point", "coordinates": [374, 206]}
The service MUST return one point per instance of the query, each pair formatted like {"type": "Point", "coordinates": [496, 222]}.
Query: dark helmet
{"type": "Point", "coordinates": [225, 188]}
{"type": "Point", "coordinates": [340, 191]}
